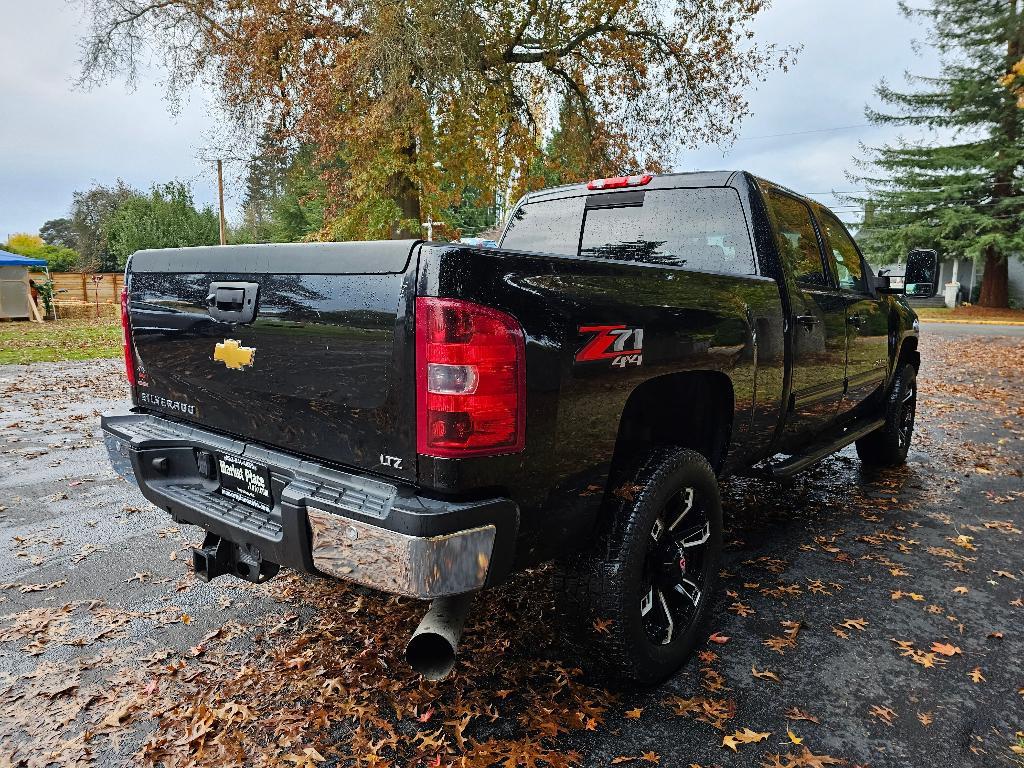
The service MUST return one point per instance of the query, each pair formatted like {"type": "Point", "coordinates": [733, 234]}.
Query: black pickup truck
{"type": "Point", "coordinates": [428, 418]}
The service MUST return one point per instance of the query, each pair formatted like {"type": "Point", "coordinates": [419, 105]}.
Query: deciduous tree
{"type": "Point", "coordinates": [89, 213]}
{"type": "Point", "coordinates": [165, 218]}
{"type": "Point", "coordinates": [410, 102]}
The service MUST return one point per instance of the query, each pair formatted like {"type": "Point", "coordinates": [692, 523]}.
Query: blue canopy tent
{"type": "Point", "coordinates": [15, 292]}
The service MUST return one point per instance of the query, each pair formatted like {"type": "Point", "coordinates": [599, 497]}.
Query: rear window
{"type": "Point", "coordinates": [700, 229]}
{"type": "Point", "coordinates": [552, 226]}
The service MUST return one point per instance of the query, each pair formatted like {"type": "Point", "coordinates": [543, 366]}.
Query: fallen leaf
{"type": "Point", "coordinates": [744, 736]}
{"type": "Point", "coordinates": [794, 738]}
{"type": "Point", "coordinates": [634, 714]}
{"type": "Point", "coordinates": [720, 639]}
{"type": "Point", "coordinates": [793, 713]}
{"type": "Point", "coordinates": [946, 649]}
{"type": "Point", "coordinates": [764, 674]}
{"type": "Point", "coordinates": [885, 714]}
{"type": "Point", "coordinates": [898, 595]}
{"type": "Point", "coordinates": [925, 718]}
{"type": "Point", "coordinates": [976, 676]}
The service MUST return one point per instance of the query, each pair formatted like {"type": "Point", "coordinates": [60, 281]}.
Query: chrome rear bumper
{"type": "Point", "coordinates": [350, 526]}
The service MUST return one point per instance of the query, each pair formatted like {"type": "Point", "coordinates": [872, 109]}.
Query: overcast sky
{"type": "Point", "coordinates": [55, 139]}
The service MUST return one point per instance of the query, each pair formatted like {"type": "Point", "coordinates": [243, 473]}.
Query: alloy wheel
{"type": "Point", "coordinates": [675, 568]}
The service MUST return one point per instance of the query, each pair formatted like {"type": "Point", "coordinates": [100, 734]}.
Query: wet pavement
{"type": "Point", "coordinates": [875, 616]}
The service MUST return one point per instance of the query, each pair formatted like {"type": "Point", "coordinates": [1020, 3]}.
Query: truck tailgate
{"type": "Point", "coordinates": [318, 370]}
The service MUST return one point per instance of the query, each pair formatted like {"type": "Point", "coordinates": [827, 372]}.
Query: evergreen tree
{"type": "Point", "coordinates": [964, 197]}
{"type": "Point", "coordinates": [264, 186]}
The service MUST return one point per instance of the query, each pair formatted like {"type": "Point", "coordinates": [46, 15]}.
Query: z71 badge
{"type": "Point", "coordinates": [618, 343]}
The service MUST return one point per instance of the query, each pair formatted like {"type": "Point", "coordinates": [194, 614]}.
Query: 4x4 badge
{"type": "Point", "coordinates": [234, 355]}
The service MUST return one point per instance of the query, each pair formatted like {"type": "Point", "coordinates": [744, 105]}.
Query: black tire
{"type": "Point", "coordinates": [888, 446]}
{"type": "Point", "coordinates": [642, 595]}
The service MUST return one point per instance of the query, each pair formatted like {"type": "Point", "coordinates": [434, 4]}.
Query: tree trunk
{"type": "Point", "coordinates": [407, 196]}
{"type": "Point", "coordinates": [995, 283]}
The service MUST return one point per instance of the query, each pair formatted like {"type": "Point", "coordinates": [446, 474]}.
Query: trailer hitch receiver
{"type": "Point", "coordinates": [218, 556]}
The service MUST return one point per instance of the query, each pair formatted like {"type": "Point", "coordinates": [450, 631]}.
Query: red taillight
{"type": "Point", "coordinates": [616, 182]}
{"type": "Point", "coordinates": [470, 379]}
{"type": "Point", "coordinates": [126, 333]}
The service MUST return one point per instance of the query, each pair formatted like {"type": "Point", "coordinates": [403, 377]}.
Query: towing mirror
{"type": "Point", "coordinates": [922, 278]}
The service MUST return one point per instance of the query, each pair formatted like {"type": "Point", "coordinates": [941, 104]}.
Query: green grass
{"type": "Point", "coordinates": [23, 342]}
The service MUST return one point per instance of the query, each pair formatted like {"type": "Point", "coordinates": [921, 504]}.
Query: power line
{"type": "Point", "coordinates": [804, 133]}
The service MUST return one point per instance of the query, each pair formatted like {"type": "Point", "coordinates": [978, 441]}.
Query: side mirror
{"type": "Point", "coordinates": [922, 278]}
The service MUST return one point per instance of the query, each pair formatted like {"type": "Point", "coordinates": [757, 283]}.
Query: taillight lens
{"type": "Point", "coordinates": [126, 334]}
{"type": "Point", "coordinates": [470, 379]}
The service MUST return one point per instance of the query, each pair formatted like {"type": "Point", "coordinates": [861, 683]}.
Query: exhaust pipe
{"type": "Point", "coordinates": [432, 647]}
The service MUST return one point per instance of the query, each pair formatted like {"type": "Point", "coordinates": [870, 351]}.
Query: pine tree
{"type": "Point", "coordinates": [964, 196]}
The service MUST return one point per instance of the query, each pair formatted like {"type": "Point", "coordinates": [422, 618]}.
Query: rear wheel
{"type": "Point", "coordinates": [646, 590]}
{"type": "Point", "coordinates": [888, 445]}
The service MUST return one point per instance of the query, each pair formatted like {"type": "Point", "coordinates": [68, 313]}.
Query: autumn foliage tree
{"type": "Point", "coordinates": [410, 102]}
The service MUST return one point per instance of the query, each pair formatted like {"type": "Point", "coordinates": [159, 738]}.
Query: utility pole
{"type": "Point", "coordinates": [220, 195]}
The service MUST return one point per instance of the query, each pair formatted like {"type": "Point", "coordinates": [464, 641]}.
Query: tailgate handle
{"type": "Point", "coordinates": [232, 302]}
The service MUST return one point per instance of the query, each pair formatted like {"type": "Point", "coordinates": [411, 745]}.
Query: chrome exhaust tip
{"type": "Point", "coordinates": [432, 649]}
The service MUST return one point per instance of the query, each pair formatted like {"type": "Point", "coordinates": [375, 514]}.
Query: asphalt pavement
{"type": "Point", "coordinates": [837, 587]}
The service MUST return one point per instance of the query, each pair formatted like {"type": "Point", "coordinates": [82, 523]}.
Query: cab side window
{"type": "Point", "coordinates": [794, 235]}
{"type": "Point", "coordinates": [843, 251]}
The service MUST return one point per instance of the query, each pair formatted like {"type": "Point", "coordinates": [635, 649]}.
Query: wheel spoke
{"type": "Point", "coordinates": [909, 396]}
{"type": "Point", "coordinates": [657, 529]}
{"type": "Point", "coordinates": [690, 590]}
{"type": "Point", "coordinates": [668, 617]}
{"type": "Point", "coordinates": [688, 505]}
{"type": "Point", "coordinates": [647, 602]}
{"type": "Point", "coordinates": [695, 536]}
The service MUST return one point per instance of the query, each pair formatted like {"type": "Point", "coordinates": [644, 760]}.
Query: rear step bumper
{"type": "Point", "coordinates": [351, 526]}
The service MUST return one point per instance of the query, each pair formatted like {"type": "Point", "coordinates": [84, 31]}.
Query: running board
{"type": "Point", "coordinates": [815, 453]}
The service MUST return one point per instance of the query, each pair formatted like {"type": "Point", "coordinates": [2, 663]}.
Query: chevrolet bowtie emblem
{"type": "Point", "coordinates": [234, 355]}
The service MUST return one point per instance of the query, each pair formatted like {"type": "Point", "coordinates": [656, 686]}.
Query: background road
{"type": "Point", "coordinates": [959, 330]}
{"type": "Point", "coordinates": [835, 588]}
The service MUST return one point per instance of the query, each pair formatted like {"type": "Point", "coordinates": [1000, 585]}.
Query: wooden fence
{"type": "Point", "coordinates": [98, 288]}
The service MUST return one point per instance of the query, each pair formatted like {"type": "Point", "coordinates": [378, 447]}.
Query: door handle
{"type": "Point", "coordinates": [808, 321]}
